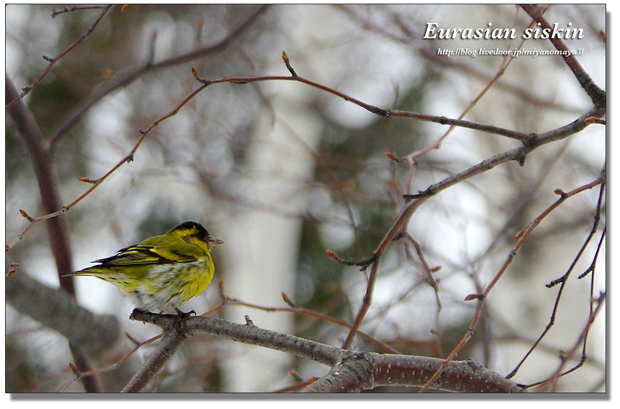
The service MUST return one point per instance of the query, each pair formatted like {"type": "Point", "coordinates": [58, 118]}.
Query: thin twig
{"type": "Point", "coordinates": [126, 77]}
{"type": "Point", "coordinates": [52, 61]}
{"type": "Point", "coordinates": [117, 364]}
{"type": "Point", "coordinates": [244, 80]}
{"type": "Point", "coordinates": [97, 182]}
{"type": "Point", "coordinates": [521, 237]}
{"type": "Point", "coordinates": [562, 280]}
{"type": "Point", "coordinates": [303, 311]}
{"type": "Point", "coordinates": [401, 221]}
{"type": "Point", "coordinates": [597, 95]}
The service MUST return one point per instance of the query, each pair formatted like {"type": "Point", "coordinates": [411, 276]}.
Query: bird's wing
{"type": "Point", "coordinates": [170, 250]}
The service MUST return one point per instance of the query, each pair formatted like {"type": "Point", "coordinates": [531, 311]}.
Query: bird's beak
{"type": "Point", "coordinates": [213, 241]}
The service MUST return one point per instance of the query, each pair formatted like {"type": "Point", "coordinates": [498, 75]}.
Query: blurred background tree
{"type": "Point", "coordinates": [282, 171]}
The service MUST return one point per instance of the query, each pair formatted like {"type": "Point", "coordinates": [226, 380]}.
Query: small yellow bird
{"type": "Point", "coordinates": [163, 272]}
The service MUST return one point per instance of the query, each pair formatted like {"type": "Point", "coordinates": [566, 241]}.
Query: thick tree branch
{"type": "Point", "coordinates": [94, 334]}
{"type": "Point", "coordinates": [351, 371]}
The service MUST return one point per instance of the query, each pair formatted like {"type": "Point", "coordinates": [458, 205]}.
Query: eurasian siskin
{"type": "Point", "coordinates": [163, 272]}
